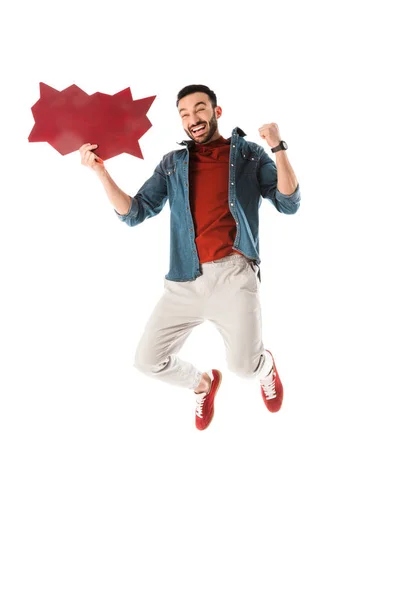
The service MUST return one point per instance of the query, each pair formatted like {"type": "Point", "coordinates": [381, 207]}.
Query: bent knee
{"type": "Point", "coordinates": [243, 369]}
{"type": "Point", "coordinates": [148, 361]}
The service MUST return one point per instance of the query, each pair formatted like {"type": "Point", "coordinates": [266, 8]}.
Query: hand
{"type": "Point", "coordinates": [270, 133]}
{"type": "Point", "coordinates": [90, 159]}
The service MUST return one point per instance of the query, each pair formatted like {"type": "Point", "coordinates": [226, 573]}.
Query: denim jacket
{"type": "Point", "coordinates": [252, 176]}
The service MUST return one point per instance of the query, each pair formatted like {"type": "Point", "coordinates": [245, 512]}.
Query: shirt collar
{"type": "Point", "coordinates": [236, 131]}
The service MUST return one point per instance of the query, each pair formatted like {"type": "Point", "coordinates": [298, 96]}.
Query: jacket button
{"type": "Point", "coordinates": [231, 182]}
{"type": "Point", "coordinates": [231, 203]}
{"type": "Point", "coordinates": [233, 146]}
{"type": "Point", "coordinates": [231, 164]}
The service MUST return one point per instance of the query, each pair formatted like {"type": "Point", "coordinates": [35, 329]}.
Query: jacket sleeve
{"type": "Point", "coordinates": [149, 200]}
{"type": "Point", "coordinates": [268, 180]}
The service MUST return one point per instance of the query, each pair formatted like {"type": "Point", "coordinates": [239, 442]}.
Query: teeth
{"type": "Point", "coordinates": [198, 128]}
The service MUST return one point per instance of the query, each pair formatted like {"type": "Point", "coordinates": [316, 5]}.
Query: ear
{"type": "Point", "coordinates": [218, 111]}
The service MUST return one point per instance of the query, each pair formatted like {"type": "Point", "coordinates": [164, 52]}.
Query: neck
{"type": "Point", "coordinates": [214, 138]}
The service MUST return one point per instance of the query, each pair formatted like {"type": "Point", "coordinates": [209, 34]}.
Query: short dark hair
{"type": "Point", "coordinates": [191, 89]}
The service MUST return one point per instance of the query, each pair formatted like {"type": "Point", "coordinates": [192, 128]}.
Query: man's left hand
{"type": "Point", "coordinates": [270, 133]}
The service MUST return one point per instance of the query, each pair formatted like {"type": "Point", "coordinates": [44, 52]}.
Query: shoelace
{"type": "Point", "coordinates": [268, 385]}
{"type": "Point", "coordinates": [200, 402]}
{"type": "Point", "coordinates": [201, 399]}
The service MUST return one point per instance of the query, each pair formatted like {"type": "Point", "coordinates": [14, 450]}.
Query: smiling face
{"type": "Point", "coordinates": [196, 111]}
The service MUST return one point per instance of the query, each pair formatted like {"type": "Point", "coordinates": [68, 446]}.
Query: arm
{"type": "Point", "coordinates": [149, 200]}
{"type": "Point", "coordinates": [287, 182]}
{"type": "Point", "coordinates": [270, 175]}
{"type": "Point", "coordinates": [117, 197]}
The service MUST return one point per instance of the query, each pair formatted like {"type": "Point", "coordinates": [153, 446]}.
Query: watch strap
{"type": "Point", "coordinates": [281, 146]}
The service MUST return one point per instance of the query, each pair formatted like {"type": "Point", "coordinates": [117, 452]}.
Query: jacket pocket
{"type": "Point", "coordinates": [171, 180]}
{"type": "Point", "coordinates": [170, 171]}
{"type": "Point", "coordinates": [249, 161]}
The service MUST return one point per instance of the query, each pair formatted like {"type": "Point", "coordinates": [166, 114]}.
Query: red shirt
{"type": "Point", "coordinates": [214, 225]}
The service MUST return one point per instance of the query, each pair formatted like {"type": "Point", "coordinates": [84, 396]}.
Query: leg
{"type": "Point", "coordinates": [172, 320]}
{"type": "Point", "coordinates": [237, 316]}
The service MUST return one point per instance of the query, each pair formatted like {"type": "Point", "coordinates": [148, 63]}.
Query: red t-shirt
{"type": "Point", "coordinates": [214, 225]}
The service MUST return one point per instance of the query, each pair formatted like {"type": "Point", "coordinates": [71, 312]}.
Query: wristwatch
{"type": "Point", "coordinates": [281, 146]}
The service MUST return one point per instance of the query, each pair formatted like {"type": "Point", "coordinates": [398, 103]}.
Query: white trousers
{"type": "Point", "coordinates": [227, 295]}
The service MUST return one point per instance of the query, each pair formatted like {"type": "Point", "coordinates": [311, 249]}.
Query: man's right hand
{"type": "Point", "coordinates": [120, 200]}
{"type": "Point", "coordinates": [90, 159]}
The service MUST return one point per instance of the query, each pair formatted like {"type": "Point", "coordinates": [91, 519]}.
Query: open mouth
{"type": "Point", "coordinates": [199, 130]}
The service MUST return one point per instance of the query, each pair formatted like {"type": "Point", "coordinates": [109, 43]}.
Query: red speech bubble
{"type": "Point", "coordinates": [70, 118]}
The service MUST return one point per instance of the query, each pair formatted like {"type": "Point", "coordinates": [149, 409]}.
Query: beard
{"type": "Point", "coordinates": [212, 128]}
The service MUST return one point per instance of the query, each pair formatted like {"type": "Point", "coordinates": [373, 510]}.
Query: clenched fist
{"type": "Point", "coordinates": [270, 133]}
{"type": "Point", "coordinates": [90, 159]}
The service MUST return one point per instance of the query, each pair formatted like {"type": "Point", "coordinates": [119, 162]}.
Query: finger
{"type": "Point", "coordinates": [87, 147]}
{"type": "Point", "coordinates": [89, 152]}
{"type": "Point", "coordinates": [88, 158]}
{"type": "Point", "coordinates": [91, 158]}
{"type": "Point", "coordinates": [95, 159]}
{"type": "Point", "coordinates": [84, 154]}
{"type": "Point", "coordinates": [85, 157]}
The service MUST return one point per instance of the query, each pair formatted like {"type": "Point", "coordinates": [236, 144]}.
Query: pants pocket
{"type": "Point", "coordinates": [252, 275]}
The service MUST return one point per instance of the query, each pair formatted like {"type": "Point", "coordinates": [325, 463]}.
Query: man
{"type": "Point", "coordinates": [215, 187]}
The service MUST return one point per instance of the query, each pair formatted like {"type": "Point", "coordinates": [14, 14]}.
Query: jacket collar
{"type": "Point", "coordinates": [236, 131]}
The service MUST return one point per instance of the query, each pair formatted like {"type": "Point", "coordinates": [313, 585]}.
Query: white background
{"type": "Point", "coordinates": [108, 491]}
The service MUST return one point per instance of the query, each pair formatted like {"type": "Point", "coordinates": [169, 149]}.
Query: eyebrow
{"type": "Point", "coordinates": [197, 103]}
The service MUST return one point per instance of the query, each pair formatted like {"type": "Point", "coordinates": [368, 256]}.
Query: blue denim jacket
{"type": "Point", "coordinates": [252, 176]}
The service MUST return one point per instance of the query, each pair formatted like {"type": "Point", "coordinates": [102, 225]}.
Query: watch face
{"type": "Point", "coordinates": [284, 144]}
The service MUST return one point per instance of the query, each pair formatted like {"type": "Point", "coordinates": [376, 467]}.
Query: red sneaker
{"type": "Point", "coordinates": [272, 389]}
{"type": "Point", "coordinates": [205, 402]}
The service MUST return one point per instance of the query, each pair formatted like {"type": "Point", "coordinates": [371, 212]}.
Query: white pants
{"type": "Point", "coordinates": [227, 295]}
